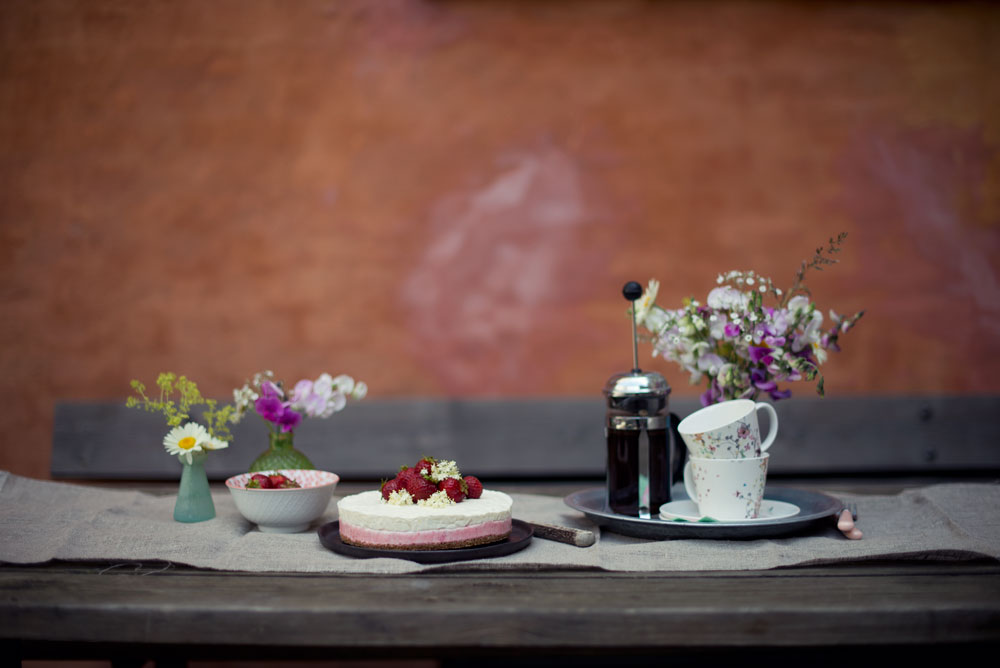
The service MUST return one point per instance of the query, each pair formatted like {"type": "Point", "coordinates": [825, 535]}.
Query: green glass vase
{"type": "Point", "coordinates": [281, 455]}
{"type": "Point", "coordinates": [194, 497]}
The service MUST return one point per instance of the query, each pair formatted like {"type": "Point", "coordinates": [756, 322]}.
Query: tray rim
{"type": "Point", "coordinates": [658, 529]}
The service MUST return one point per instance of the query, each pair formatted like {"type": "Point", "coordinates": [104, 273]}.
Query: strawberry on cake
{"type": "Point", "coordinates": [427, 507]}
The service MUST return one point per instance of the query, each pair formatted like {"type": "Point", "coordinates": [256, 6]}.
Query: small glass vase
{"type": "Point", "coordinates": [281, 454]}
{"type": "Point", "coordinates": [194, 497]}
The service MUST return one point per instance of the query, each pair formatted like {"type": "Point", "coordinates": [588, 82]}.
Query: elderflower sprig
{"type": "Point", "coordinates": [739, 346]}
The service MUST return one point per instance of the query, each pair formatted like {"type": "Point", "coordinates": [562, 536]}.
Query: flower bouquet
{"type": "Point", "coordinates": [188, 440]}
{"type": "Point", "coordinates": [284, 411]}
{"type": "Point", "coordinates": [740, 345]}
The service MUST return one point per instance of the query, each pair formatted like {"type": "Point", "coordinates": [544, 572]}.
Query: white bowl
{"type": "Point", "coordinates": [284, 510]}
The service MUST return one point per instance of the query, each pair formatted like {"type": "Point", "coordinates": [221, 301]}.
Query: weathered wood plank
{"type": "Point", "coordinates": [801, 608]}
{"type": "Point", "coordinates": [544, 438]}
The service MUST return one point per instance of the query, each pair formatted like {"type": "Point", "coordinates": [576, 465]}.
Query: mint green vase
{"type": "Point", "coordinates": [194, 498]}
{"type": "Point", "coordinates": [281, 454]}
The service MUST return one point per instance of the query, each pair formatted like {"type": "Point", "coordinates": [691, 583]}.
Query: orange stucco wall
{"type": "Point", "coordinates": [444, 198]}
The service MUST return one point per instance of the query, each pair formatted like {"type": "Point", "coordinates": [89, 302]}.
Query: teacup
{"type": "Point", "coordinates": [727, 489]}
{"type": "Point", "coordinates": [728, 430]}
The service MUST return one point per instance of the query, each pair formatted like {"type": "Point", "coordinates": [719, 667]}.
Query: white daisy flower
{"type": "Point", "coordinates": [646, 301]}
{"type": "Point", "coordinates": [214, 444]}
{"type": "Point", "coordinates": [183, 441]}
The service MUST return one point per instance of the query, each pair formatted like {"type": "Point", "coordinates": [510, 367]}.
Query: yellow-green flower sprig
{"type": "Point", "coordinates": [177, 411]}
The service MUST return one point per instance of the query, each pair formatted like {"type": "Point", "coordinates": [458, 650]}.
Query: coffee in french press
{"type": "Point", "coordinates": [644, 452]}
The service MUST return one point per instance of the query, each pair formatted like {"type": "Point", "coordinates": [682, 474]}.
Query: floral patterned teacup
{"type": "Point", "coordinates": [726, 489]}
{"type": "Point", "coordinates": [728, 430]}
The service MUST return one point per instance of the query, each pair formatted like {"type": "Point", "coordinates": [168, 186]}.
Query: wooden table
{"type": "Point", "coordinates": [901, 611]}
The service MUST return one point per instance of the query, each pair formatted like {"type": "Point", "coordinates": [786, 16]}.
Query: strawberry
{"type": "Point", "coordinates": [474, 486]}
{"type": "Point", "coordinates": [390, 486]}
{"type": "Point", "coordinates": [419, 488]}
{"type": "Point", "coordinates": [425, 465]}
{"type": "Point", "coordinates": [259, 481]}
{"type": "Point", "coordinates": [278, 480]}
{"type": "Point", "coordinates": [406, 475]}
{"type": "Point", "coordinates": [453, 487]}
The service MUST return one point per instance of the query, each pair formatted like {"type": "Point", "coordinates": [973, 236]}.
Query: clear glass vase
{"type": "Point", "coordinates": [281, 454]}
{"type": "Point", "coordinates": [194, 497]}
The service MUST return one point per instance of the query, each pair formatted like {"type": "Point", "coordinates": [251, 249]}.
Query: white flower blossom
{"type": "Point", "coordinates": [438, 499]}
{"type": "Point", "coordinates": [400, 497]}
{"type": "Point", "coordinates": [820, 352]}
{"type": "Point", "coordinates": [186, 440]}
{"type": "Point", "coordinates": [213, 443]}
{"type": "Point", "coordinates": [446, 468]}
{"type": "Point", "coordinates": [727, 298]}
{"type": "Point", "coordinates": [644, 304]}
{"type": "Point", "coordinates": [344, 383]}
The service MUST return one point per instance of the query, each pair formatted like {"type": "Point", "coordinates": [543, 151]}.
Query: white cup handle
{"type": "Point", "coordinates": [689, 482]}
{"type": "Point", "coordinates": [773, 422]}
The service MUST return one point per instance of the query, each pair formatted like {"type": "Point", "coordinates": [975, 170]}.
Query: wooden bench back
{"type": "Point", "coordinates": [549, 438]}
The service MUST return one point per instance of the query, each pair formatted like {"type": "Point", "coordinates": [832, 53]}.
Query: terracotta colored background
{"type": "Point", "coordinates": [444, 198]}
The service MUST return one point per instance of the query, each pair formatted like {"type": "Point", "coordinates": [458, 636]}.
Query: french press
{"type": "Point", "coordinates": [645, 452]}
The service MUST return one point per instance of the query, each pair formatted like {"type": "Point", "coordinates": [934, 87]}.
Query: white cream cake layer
{"type": "Point", "coordinates": [367, 510]}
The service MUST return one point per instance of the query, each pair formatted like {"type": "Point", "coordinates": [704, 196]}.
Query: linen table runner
{"type": "Point", "coordinates": [42, 521]}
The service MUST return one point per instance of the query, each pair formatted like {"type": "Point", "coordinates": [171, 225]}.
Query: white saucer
{"type": "Point", "coordinates": [686, 510]}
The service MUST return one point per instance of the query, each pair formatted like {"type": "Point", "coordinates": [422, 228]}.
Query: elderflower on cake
{"type": "Point", "coordinates": [427, 507]}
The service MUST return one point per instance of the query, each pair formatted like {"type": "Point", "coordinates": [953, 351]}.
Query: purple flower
{"type": "Point", "coordinates": [732, 330]}
{"type": "Point", "coordinates": [289, 419]}
{"type": "Point", "coordinates": [269, 390]}
{"type": "Point", "coordinates": [269, 407]}
{"type": "Point", "coordinates": [806, 354]}
{"type": "Point", "coordinates": [712, 394]}
{"type": "Point", "coordinates": [760, 354]}
{"type": "Point", "coordinates": [759, 379]}
{"type": "Point", "coordinates": [829, 341]}
{"type": "Point", "coordinates": [301, 391]}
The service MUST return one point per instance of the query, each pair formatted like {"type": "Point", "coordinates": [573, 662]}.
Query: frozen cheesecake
{"type": "Point", "coordinates": [427, 507]}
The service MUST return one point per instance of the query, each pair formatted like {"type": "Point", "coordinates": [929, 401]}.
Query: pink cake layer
{"type": "Point", "coordinates": [470, 535]}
